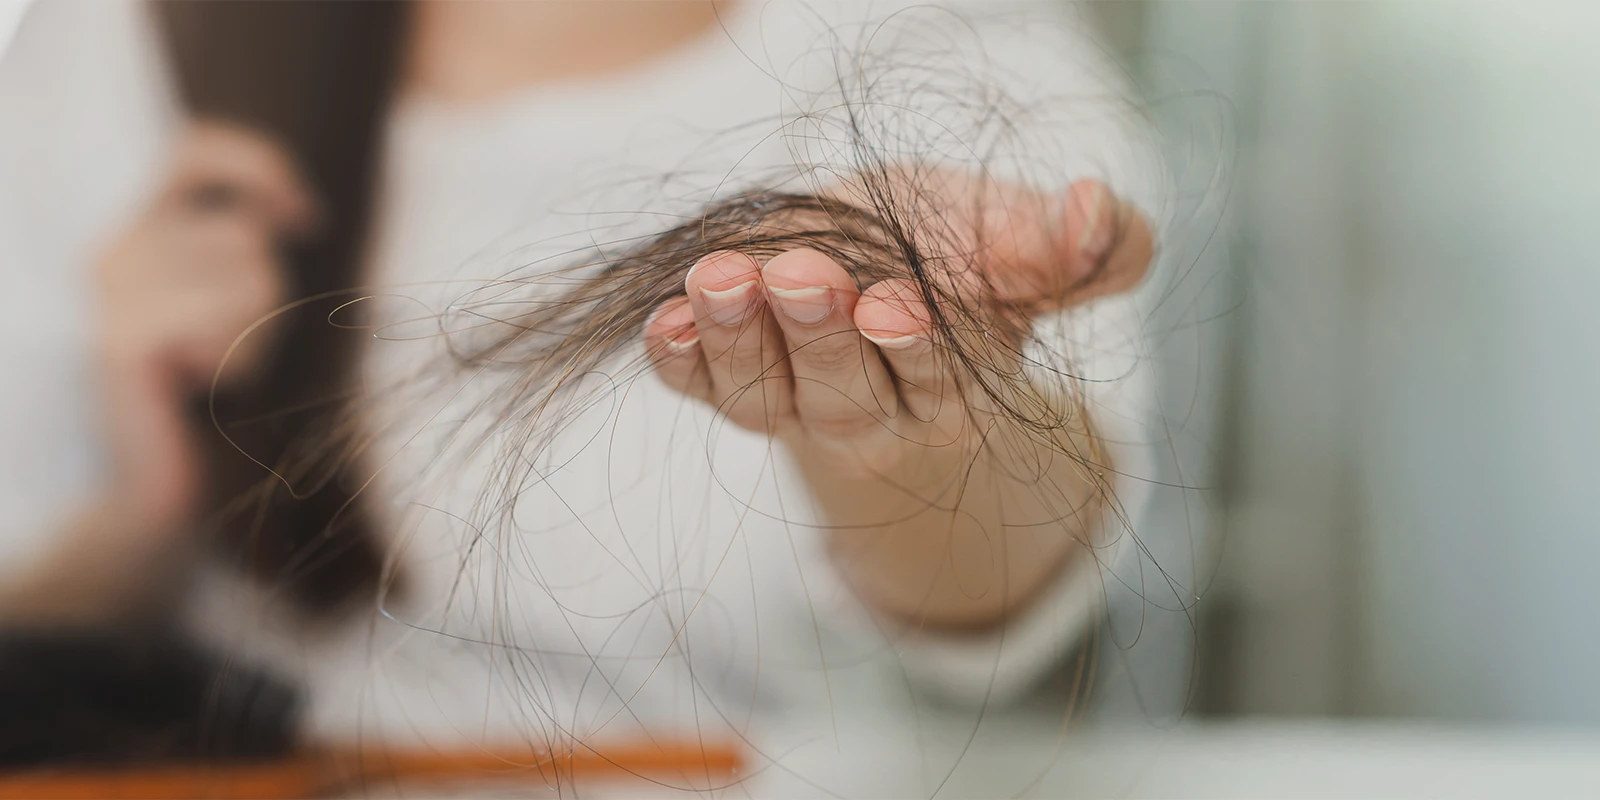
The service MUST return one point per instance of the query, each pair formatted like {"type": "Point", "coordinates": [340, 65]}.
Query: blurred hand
{"type": "Point", "coordinates": [175, 290]}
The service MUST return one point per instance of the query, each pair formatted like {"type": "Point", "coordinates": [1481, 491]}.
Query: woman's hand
{"type": "Point", "coordinates": [936, 502]}
{"type": "Point", "coordinates": [175, 290]}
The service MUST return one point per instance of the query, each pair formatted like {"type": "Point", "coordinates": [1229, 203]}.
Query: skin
{"type": "Point", "coordinates": [173, 291]}
{"type": "Point", "coordinates": [849, 380]}
{"type": "Point", "coordinates": [480, 51]}
{"type": "Point", "coordinates": [938, 509]}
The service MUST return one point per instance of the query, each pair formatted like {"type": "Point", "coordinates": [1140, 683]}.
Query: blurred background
{"type": "Point", "coordinates": [1403, 390]}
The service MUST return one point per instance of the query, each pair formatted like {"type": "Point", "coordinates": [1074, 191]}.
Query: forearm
{"type": "Point", "coordinates": [964, 535]}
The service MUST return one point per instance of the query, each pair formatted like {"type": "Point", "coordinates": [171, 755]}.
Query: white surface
{"type": "Point", "coordinates": [11, 13]}
{"type": "Point", "coordinates": [1242, 760]}
{"type": "Point", "coordinates": [1327, 759]}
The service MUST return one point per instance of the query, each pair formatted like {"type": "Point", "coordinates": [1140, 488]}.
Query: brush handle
{"type": "Point", "coordinates": [332, 772]}
{"type": "Point", "coordinates": [293, 779]}
{"type": "Point", "coordinates": [671, 762]}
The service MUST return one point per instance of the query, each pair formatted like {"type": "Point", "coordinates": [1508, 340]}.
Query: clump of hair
{"type": "Point", "coordinates": [870, 185]}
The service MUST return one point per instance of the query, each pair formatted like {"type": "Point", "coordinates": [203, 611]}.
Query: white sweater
{"type": "Point", "coordinates": [664, 569]}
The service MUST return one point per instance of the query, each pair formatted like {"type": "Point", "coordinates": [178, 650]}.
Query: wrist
{"type": "Point", "coordinates": [958, 537]}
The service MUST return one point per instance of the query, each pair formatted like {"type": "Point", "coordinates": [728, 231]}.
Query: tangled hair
{"type": "Point", "coordinates": [893, 170]}
{"type": "Point", "coordinates": [886, 225]}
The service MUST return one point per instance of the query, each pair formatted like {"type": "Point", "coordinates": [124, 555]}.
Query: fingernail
{"type": "Point", "coordinates": [1095, 241]}
{"type": "Point", "coordinates": [682, 340]}
{"type": "Point", "coordinates": [807, 306]}
{"type": "Point", "coordinates": [892, 342]}
{"type": "Point", "coordinates": [730, 306]}
{"type": "Point", "coordinates": [689, 340]}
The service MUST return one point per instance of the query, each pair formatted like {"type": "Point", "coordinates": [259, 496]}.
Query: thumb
{"type": "Point", "coordinates": [1054, 251]}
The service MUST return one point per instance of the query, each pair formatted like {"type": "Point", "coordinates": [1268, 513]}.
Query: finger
{"type": "Point", "coordinates": [231, 237]}
{"type": "Point", "coordinates": [673, 343]}
{"type": "Point", "coordinates": [841, 386]}
{"type": "Point", "coordinates": [893, 315]}
{"type": "Point", "coordinates": [152, 441]}
{"type": "Point", "coordinates": [229, 254]}
{"type": "Point", "coordinates": [742, 344]}
{"type": "Point", "coordinates": [226, 279]}
{"type": "Point", "coordinates": [225, 168]}
{"type": "Point", "coordinates": [1056, 251]}
{"type": "Point", "coordinates": [1111, 235]}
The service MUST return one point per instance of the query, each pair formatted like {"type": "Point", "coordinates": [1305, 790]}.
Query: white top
{"type": "Point", "coordinates": [656, 566]}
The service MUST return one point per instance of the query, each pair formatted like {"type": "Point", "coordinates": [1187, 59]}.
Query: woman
{"type": "Point", "coordinates": [820, 529]}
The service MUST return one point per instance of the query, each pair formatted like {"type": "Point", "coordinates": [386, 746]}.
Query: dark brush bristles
{"type": "Point", "coordinates": [102, 696]}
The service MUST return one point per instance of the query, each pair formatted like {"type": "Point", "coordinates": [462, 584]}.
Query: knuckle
{"type": "Point", "coordinates": [831, 353]}
{"type": "Point", "coordinates": [747, 407]}
{"type": "Point", "coordinates": [834, 409]}
{"type": "Point", "coordinates": [750, 363]}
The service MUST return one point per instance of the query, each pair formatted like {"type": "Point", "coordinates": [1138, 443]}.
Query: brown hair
{"type": "Point", "coordinates": [316, 77]}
